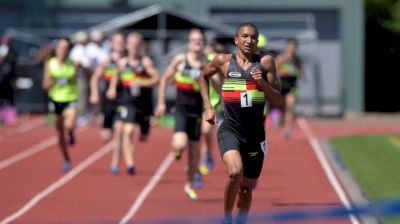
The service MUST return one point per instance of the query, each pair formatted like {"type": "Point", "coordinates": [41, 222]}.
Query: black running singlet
{"type": "Point", "coordinates": [244, 99]}
{"type": "Point", "coordinates": [140, 96]}
{"type": "Point", "coordinates": [188, 89]}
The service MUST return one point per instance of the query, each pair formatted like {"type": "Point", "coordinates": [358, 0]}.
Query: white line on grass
{"type": "Point", "coordinates": [394, 141]}
{"type": "Point", "coordinates": [32, 150]}
{"type": "Point", "coordinates": [317, 148]}
{"type": "Point", "coordinates": [148, 188]}
{"type": "Point", "coordinates": [59, 183]}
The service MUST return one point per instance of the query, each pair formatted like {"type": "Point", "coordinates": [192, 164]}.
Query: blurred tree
{"type": "Point", "coordinates": [382, 55]}
{"type": "Point", "coordinates": [391, 18]}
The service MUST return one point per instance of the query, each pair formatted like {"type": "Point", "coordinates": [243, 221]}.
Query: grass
{"type": "Point", "coordinates": [166, 121]}
{"type": "Point", "coordinates": [374, 161]}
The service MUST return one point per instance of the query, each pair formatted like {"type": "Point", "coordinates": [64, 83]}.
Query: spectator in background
{"type": "Point", "coordinates": [289, 69]}
{"type": "Point", "coordinates": [97, 49]}
{"type": "Point", "coordinates": [79, 55]}
{"type": "Point", "coordinates": [45, 52]}
{"type": "Point", "coordinates": [8, 74]}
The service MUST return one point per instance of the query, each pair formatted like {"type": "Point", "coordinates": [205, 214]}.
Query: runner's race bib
{"type": "Point", "coordinates": [61, 81]}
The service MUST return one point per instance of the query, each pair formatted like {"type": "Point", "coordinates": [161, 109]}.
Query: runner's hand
{"type": "Point", "coordinates": [256, 74]}
{"type": "Point", "coordinates": [210, 116]}
{"type": "Point", "coordinates": [111, 93]}
{"type": "Point", "coordinates": [94, 99]}
{"type": "Point", "coordinates": [160, 110]}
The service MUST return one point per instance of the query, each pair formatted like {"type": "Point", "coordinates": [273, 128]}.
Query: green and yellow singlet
{"type": "Point", "coordinates": [65, 88]}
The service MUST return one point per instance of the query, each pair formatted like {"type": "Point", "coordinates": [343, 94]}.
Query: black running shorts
{"type": "Point", "coordinates": [188, 123]}
{"type": "Point", "coordinates": [252, 150]}
{"type": "Point", "coordinates": [58, 108]}
{"type": "Point", "coordinates": [129, 114]}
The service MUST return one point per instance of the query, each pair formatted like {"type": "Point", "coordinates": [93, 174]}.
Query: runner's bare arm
{"type": "Point", "coordinates": [152, 71]}
{"type": "Point", "coordinates": [209, 70]}
{"type": "Point", "coordinates": [112, 89]}
{"type": "Point", "coordinates": [168, 75]}
{"type": "Point", "coordinates": [47, 81]}
{"type": "Point", "coordinates": [94, 83]}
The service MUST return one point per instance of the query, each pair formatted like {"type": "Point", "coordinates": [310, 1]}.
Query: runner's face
{"type": "Point", "coordinates": [246, 39]}
{"type": "Point", "coordinates": [291, 47]}
{"type": "Point", "coordinates": [62, 49]}
{"type": "Point", "coordinates": [118, 43]}
{"type": "Point", "coordinates": [133, 44]}
{"type": "Point", "coordinates": [196, 41]}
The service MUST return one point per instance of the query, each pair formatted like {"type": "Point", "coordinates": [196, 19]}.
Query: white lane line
{"type": "Point", "coordinates": [28, 152]}
{"type": "Point", "coordinates": [317, 148]}
{"type": "Point", "coordinates": [30, 125]}
{"type": "Point", "coordinates": [148, 188]}
{"type": "Point", "coordinates": [26, 126]}
{"type": "Point", "coordinates": [59, 183]}
{"type": "Point", "coordinates": [32, 150]}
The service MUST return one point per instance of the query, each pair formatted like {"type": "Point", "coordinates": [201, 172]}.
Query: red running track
{"type": "Point", "coordinates": [292, 179]}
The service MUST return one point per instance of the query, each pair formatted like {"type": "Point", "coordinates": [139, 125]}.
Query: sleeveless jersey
{"type": "Point", "coordinates": [140, 96]}
{"type": "Point", "coordinates": [65, 88]}
{"type": "Point", "coordinates": [188, 89]}
{"type": "Point", "coordinates": [244, 99]}
{"type": "Point", "coordinates": [215, 98]}
{"type": "Point", "coordinates": [110, 71]}
{"type": "Point", "coordinates": [288, 72]}
{"type": "Point", "coordinates": [289, 68]}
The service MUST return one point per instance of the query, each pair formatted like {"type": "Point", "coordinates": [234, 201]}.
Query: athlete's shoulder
{"type": "Point", "coordinates": [123, 62]}
{"type": "Point", "coordinates": [51, 63]}
{"type": "Point", "coordinates": [179, 57]}
{"type": "Point", "coordinates": [106, 61]}
{"type": "Point", "coordinates": [222, 58]}
{"type": "Point", "coordinates": [51, 60]}
{"type": "Point", "coordinates": [266, 59]}
{"type": "Point", "coordinates": [177, 60]}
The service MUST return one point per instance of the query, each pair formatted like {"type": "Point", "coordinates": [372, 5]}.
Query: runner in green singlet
{"type": "Point", "coordinates": [60, 81]}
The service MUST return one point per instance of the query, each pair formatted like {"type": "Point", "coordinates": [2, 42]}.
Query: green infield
{"type": "Point", "coordinates": [374, 161]}
{"type": "Point", "coordinates": [166, 121]}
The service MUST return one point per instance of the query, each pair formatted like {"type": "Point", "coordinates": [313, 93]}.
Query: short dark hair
{"type": "Point", "coordinates": [244, 25]}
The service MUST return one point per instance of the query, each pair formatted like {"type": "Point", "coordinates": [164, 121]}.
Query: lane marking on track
{"type": "Point", "coordinates": [26, 126]}
{"type": "Point", "coordinates": [317, 148]}
{"type": "Point", "coordinates": [31, 125]}
{"type": "Point", "coordinates": [59, 183]}
{"type": "Point", "coordinates": [33, 150]}
{"type": "Point", "coordinates": [148, 188]}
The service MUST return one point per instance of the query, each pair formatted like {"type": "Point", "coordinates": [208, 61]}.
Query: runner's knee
{"type": "Point", "coordinates": [235, 172]}
{"type": "Point", "coordinates": [179, 140]}
{"type": "Point", "coordinates": [248, 185]}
